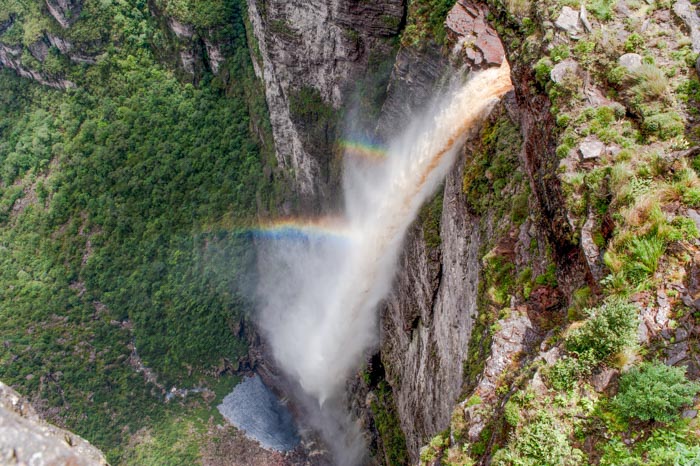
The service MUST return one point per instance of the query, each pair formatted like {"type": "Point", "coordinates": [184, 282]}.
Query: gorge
{"type": "Point", "coordinates": [268, 187]}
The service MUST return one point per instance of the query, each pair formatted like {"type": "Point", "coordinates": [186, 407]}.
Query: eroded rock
{"type": "Point", "coordinates": [689, 14]}
{"type": "Point", "coordinates": [66, 12]}
{"type": "Point", "coordinates": [569, 21]}
{"type": "Point", "coordinates": [467, 25]}
{"type": "Point", "coordinates": [27, 439]}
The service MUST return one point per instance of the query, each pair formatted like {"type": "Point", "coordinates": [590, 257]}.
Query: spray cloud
{"type": "Point", "coordinates": [319, 292]}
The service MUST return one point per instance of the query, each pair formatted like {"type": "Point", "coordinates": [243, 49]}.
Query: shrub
{"type": "Point", "coordinates": [564, 374]}
{"type": "Point", "coordinates": [511, 413]}
{"type": "Point", "coordinates": [611, 328]}
{"type": "Point", "coordinates": [654, 392]}
{"type": "Point", "coordinates": [541, 442]}
{"type": "Point", "coordinates": [664, 125]}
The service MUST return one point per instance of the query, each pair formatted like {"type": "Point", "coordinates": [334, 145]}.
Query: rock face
{"type": "Point", "coordinates": [11, 57]}
{"type": "Point", "coordinates": [316, 49]}
{"type": "Point", "coordinates": [467, 25]}
{"type": "Point", "coordinates": [427, 320]}
{"type": "Point", "coordinates": [27, 439]}
{"type": "Point", "coordinates": [66, 12]}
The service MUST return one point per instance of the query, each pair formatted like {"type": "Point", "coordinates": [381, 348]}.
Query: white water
{"type": "Point", "coordinates": [319, 295]}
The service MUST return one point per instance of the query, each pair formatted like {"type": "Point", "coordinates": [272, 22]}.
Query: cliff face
{"type": "Point", "coordinates": [310, 56]}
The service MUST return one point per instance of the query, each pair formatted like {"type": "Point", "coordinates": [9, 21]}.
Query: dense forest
{"type": "Point", "coordinates": [122, 207]}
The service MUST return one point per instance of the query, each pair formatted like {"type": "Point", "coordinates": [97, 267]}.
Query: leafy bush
{"type": "Point", "coordinates": [611, 328]}
{"type": "Point", "coordinates": [654, 392]}
{"type": "Point", "coordinates": [542, 442]}
{"type": "Point", "coordinates": [564, 374]}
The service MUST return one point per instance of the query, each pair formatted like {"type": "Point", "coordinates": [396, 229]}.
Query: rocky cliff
{"type": "Point", "coordinates": [311, 56]}
{"type": "Point", "coordinates": [25, 438]}
{"type": "Point", "coordinates": [522, 238]}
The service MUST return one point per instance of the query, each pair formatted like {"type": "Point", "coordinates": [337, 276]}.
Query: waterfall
{"type": "Point", "coordinates": [322, 281]}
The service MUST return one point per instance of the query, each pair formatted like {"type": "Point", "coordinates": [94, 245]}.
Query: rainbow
{"type": "Point", "coordinates": [301, 229]}
{"type": "Point", "coordinates": [363, 149]}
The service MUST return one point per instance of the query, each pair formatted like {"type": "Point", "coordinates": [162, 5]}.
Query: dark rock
{"type": "Point", "coordinates": [677, 353]}
{"type": "Point", "coordinates": [601, 380]}
{"type": "Point", "coordinates": [681, 334]}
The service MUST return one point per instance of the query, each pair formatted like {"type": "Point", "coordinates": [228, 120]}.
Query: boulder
{"type": "Point", "coordinates": [563, 69]}
{"type": "Point", "coordinates": [630, 61]}
{"type": "Point", "coordinates": [568, 21]}
{"type": "Point", "coordinates": [591, 148]}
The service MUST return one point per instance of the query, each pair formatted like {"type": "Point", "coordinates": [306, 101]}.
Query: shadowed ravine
{"type": "Point", "coordinates": [319, 293]}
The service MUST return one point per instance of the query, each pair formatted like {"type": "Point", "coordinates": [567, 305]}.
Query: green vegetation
{"type": "Point", "coordinates": [121, 209]}
{"type": "Point", "coordinates": [654, 392]}
{"type": "Point", "coordinates": [426, 20]}
{"type": "Point", "coordinates": [388, 426]}
{"type": "Point", "coordinates": [430, 216]}
{"type": "Point", "coordinates": [540, 442]}
{"type": "Point", "coordinates": [609, 329]}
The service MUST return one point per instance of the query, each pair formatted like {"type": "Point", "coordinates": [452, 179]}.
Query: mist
{"type": "Point", "coordinates": [320, 287]}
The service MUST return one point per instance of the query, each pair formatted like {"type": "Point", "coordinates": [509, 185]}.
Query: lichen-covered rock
{"type": "Point", "coordinates": [26, 439]}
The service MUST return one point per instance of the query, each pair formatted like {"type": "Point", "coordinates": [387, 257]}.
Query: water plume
{"type": "Point", "coordinates": [318, 296]}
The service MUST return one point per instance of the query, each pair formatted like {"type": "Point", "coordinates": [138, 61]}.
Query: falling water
{"type": "Point", "coordinates": [319, 292]}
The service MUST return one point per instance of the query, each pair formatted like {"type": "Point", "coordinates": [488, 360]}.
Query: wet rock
{"type": "Point", "coordinates": [591, 148]}
{"type": "Point", "coordinates": [568, 21]}
{"type": "Point", "coordinates": [25, 438]}
{"type": "Point", "coordinates": [467, 25]}
{"type": "Point", "coordinates": [688, 13]}
{"type": "Point", "coordinates": [630, 61]}
{"type": "Point", "coordinates": [677, 353]}
{"type": "Point", "coordinates": [601, 380]}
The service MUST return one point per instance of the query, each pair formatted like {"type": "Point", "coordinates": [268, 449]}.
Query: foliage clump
{"type": "Point", "coordinates": [609, 329]}
{"type": "Point", "coordinates": [654, 392]}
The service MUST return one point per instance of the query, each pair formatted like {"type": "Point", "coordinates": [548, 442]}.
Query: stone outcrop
{"type": "Point", "coordinates": [27, 439]}
{"type": "Point", "coordinates": [467, 25]}
{"type": "Point", "coordinates": [66, 12]}
{"type": "Point", "coordinates": [10, 57]}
